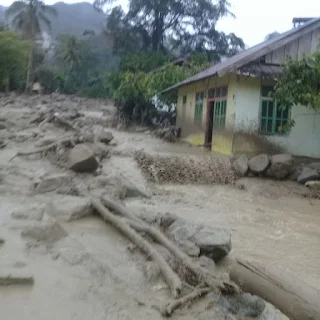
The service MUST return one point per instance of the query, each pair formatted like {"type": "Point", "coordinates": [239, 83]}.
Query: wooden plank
{"type": "Point", "coordinates": [278, 56]}
{"type": "Point", "coordinates": [304, 45]}
{"type": "Point", "coordinates": [315, 45]}
{"type": "Point", "coordinates": [269, 57]}
{"type": "Point", "coordinates": [292, 49]}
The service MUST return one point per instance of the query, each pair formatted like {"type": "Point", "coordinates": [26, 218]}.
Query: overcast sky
{"type": "Point", "coordinates": [254, 18]}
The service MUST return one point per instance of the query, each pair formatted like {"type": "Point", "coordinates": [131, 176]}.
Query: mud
{"type": "Point", "coordinates": [85, 270]}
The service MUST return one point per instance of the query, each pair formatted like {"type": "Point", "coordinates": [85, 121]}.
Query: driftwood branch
{"type": "Point", "coordinates": [43, 149]}
{"type": "Point", "coordinates": [167, 310]}
{"type": "Point", "coordinates": [170, 276]}
{"type": "Point", "coordinates": [295, 298]}
{"type": "Point", "coordinates": [7, 280]}
{"type": "Point", "coordinates": [203, 274]}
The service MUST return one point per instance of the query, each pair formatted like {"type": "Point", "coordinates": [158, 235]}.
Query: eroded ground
{"type": "Point", "coordinates": [90, 274]}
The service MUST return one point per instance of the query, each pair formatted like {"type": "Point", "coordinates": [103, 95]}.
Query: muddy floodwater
{"type": "Point", "coordinates": [87, 272]}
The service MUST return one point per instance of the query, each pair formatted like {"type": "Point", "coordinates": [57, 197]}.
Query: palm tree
{"type": "Point", "coordinates": [71, 52]}
{"type": "Point", "coordinates": [28, 17]}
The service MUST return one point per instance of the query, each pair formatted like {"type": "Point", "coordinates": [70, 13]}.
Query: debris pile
{"type": "Point", "coordinates": [184, 169]}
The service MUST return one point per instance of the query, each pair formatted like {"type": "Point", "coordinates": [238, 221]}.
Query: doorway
{"type": "Point", "coordinates": [209, 125]}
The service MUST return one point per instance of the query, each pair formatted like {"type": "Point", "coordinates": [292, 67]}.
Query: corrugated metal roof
{"type": "Point", "coordinates": [234, 63]}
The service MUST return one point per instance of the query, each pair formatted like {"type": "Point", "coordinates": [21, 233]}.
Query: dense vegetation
{"type": "Point", "coordinates": [300, 82]}
{"type": "Point", "coordinates": [145, 41]}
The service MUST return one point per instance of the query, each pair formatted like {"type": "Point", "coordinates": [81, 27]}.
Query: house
{"type": "Point", "coordinates": [228, 107]}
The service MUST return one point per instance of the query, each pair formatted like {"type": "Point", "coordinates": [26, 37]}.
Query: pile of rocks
{"type": "Point", "coordinates": [280, 166]}
{"type": "Point", "coordinates": [184, 169]}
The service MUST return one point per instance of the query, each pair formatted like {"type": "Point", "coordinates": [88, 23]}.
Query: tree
{"type": "Point", "coordinates": [13, 57]}
{"type": "Point", "coordinates": [27, 17]}
{"type": "Point", "coordinates": [300, 82]}
{"type": "Point", "coordinates": [185, 26]}
{"type": "Point", "coordinates": [271, 35]}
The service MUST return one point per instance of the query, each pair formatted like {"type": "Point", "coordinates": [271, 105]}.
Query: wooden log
{"type": "Point", "coordinates": [295, 298]}
{"type": "Point", "coordinates": [169, 275]}
{"type": "Point", "coordinates": [203, 274]}
{"type": "Point", "coordinates": [11, 279]}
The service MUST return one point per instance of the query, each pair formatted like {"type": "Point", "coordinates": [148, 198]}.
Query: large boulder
{"type": "Point", "coordinates": [281, 166]}
{"type": "Point", "coordinates": [259, 164]}
{"type": "Point", "coordinates": [213, 243]}
{"type": "Point", "coordinates": [82, 159]}
{"type": "Point", "coordinates": [69, 208]}
{"type": "Point", "coordinates": [308, 174]}
{"type": "Point", "coordinates": [101, 135]}
{"type": "Point", "coordinates": [241, 166]}
{"type": "Point", "coordinates": [34, 212]}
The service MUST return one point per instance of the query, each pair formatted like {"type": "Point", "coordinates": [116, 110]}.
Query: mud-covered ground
{"type": "Point", "coordinates": [89, 273]}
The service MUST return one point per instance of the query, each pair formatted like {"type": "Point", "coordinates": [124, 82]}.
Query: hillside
{"type": "Point", "coordinates": [74, 18]}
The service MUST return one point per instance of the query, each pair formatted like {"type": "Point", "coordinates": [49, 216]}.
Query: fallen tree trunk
{"type": "Point", "coordinates": [292, 296]}
{"type": "Point", "coordinates": [204, 275]}
{"type": "Point", "coordinates": [170, 276]}
{"type": "Point", "coordinates": [43, 149]}
{"type": "Point", "coordinates": [12, 279]}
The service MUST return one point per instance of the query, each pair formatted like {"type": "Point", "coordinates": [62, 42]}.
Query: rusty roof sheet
{"type": "Point", "coordinates": [235, 62]}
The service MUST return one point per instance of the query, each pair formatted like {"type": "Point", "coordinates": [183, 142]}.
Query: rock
{"type": "Point", "coordinates": [207, 263]}
{"type": "Point", "coordinates": [189, 248]}
{"type": "Point", "coordinates": [81, 159]}
{"type": "Point", "coordinates": [313, 185]}
{"type": "Point", "coordinates": [215, 244]}
{"type": "Point", "coordinates": [308, 174]}
{"type": "Point", "coordinates": [45, 141]}
{"type": "Point", "coordinates": [52, 183]}
{"type": "Point", "coordinates": [241, 165]}
{"type": "Point", "coordinates": [259, 163]}
{"type": "Point", "coordinates": [182, 230]}
{"type": "Point", "coordinates": [48, 233]}
{"type": "Point", "coordinates": [106, 137]}
{"type": "Point", "coordinates": [166, 220]}
{"type": "Point", "coordinates": [281, 166]}
{"type": "Point", "coordinates": [29, 213]}
{"type": "Point", "coordinates": [69, 208]}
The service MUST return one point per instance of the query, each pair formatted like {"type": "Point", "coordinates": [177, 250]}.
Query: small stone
{"type": "Point", "coordinates": [213, 243]}
{"type": "Point", "coordinates": [52, 183]}
{"type": "Point", "coordinates": [259, 164]}
{"type": "Point", "coordinates": [308, 174]}
{"type": "Point", "coordinates": [281, 166]}
{"type": "Point", "coordinates": [313, 185]}
{"type": "Point", "coordinates": [69, 208]}
{"type": "Point", "coordinates": [167, 220]}
{"type": "Point", "coordinates": [81, 159]}
{"type": "Point", "coordinates": [241, 165]}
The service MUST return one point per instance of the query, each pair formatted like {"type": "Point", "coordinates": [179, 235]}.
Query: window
{"type": "Point", "coordinates": [218, 92]}
{"type": "Point", "coordinates": [198, 107]}
{"type": "Point", "coordinates": [273, 116]}
{"type": "Point", "coordinates": [219, 96]}
{"type": "Point", "coordinates": [220, 109]}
